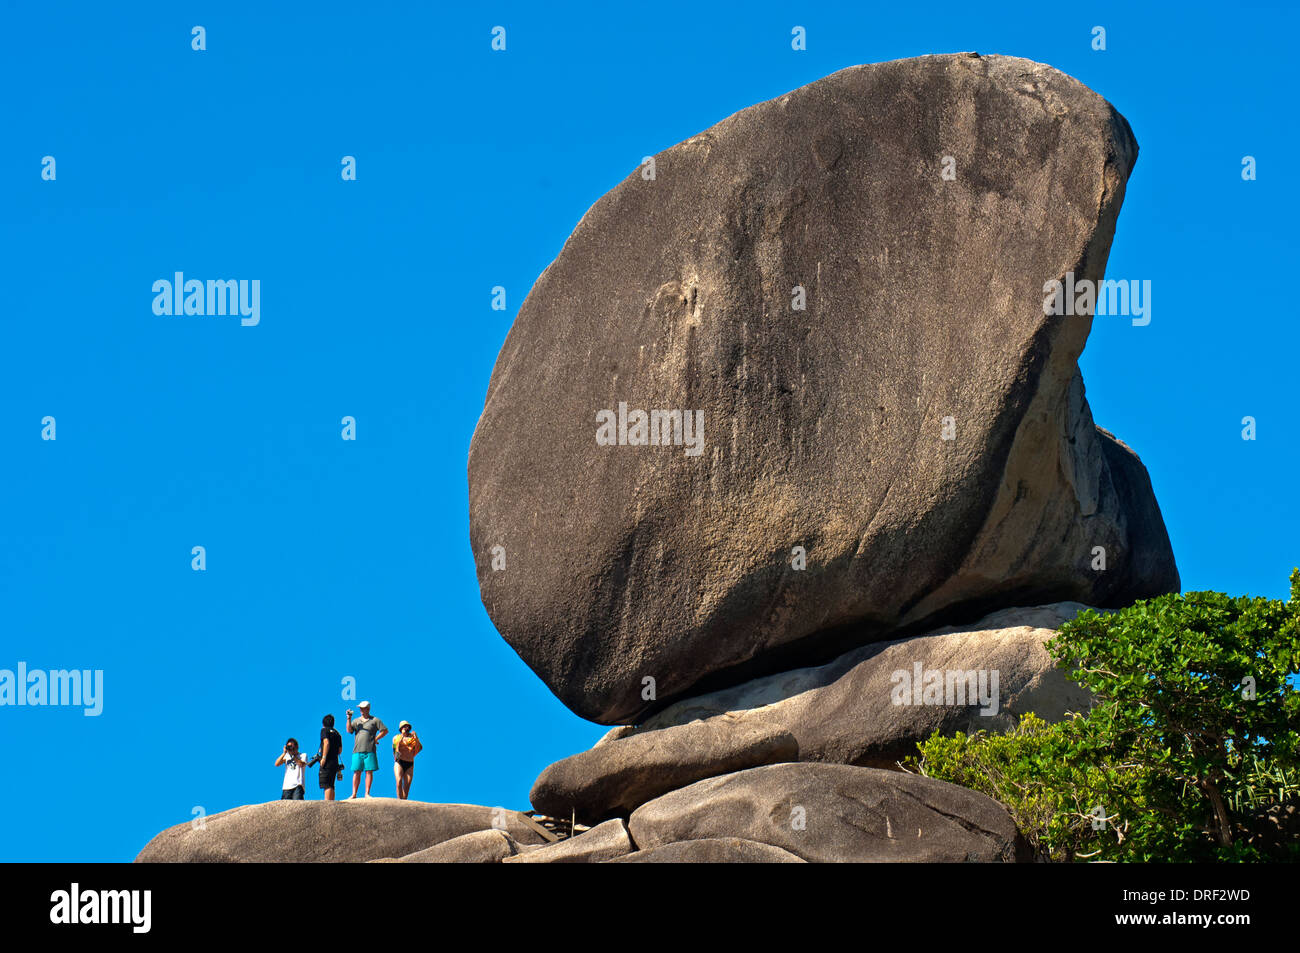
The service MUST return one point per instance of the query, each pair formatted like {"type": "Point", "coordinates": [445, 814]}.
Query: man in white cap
{"type": "Point", "coordinates": [368, 730]}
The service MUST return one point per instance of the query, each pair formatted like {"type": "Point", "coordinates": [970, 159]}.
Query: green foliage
{"type": "Point", "coordinates": [1191, 750]}
{"type": "Point", "coordinates": [1258, 784]}
{"type": "Point", "coordinates": [1029, 770]}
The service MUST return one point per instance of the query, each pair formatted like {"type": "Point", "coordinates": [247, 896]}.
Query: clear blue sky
{"type": "Point", "coordinates": [329, 559]}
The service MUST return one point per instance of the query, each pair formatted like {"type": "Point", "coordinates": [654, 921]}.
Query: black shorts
{"type": "Point", "coordinates": [292, 794]}
{"type": "Point", "coordinates": [403, 764]}
{"type": "Point", "coordinates": [328, 774]}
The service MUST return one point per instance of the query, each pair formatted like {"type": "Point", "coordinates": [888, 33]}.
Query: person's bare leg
{"type": "Point", "coordinates": [329, 794]}
{"type": "Point", "coordinates": [356, 781]}
{"type": "Point", "coordinates": [410, 776]}
{"type": "Point", "coordinates": [397, 776]}
{"type": "Point", "coordinates": [370, 779]}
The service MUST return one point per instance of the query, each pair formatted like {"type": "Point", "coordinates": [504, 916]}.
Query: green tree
{"type": "Point", "coordinates": [1190, 751]}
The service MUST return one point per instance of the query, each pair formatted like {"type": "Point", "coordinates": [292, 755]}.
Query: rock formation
{"type": "Point", "coordinates": [618, 777]}
{"type": "Point", "coordinates": [313, 831]}
{"type": "Point", "coordinates": [479, 847]}
{"type": "Point", "coordinates": [775, 455]}
{"type": "Point", "coordinates": [712, 850]}
{"type": "Point", "coordinates": [880, 428]}
{"type": "Point", "coordinates": [849, 711]}
{"type": "Point", "coordinates": [827, 813]}
{"type": "Point", "coordinates": [603, 842]}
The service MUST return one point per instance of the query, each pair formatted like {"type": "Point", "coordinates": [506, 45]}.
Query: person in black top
{"type": "Point", "coordinates": [331, 748]}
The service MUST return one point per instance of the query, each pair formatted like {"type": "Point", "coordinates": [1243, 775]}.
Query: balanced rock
{"type": "Point", "coordinates": [829, 813]}
{"type": "Point", "coordinates": [603, 842]}
{"type": "Point", "coordinates": [792, 389]}
{"type": "Point", "coordinates": [617, 777]}
{"type": "Point", "coordinates": [872, 705]}
{"type": "Point", "coordinates": [868, 707]}
{"type": "Point", "coordinates": [330, 831]}
{"type": "Point", "coordinates": [712, 850]}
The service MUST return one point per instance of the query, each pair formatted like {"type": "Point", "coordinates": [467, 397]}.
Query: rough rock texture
{"type": "Point", "coordinates": [841, 713]}
{"type": "Point", "coordinates": [603, 842]}
{"type": "Point", "coordinates": [480, 847]}
{"type": "Point", "coordinates": [712, 850]}
{"type": "Point", "coordinates": [307, 831]}
{"type": "Point", "coordinates": [619, 776]}
{"type": "Point", "coordinates": [849, 814]}
{"type": "Point", "coordinates": [844, 712]}
{"type": "Point", "coordinates": [822, 427]}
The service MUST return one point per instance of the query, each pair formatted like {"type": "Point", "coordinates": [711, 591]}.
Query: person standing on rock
{"type": "Point", "coordinates": [368, 731]}
{"type": "Point", "coordinates": [329, 756]}
{"type": "Point", "coordinates": [292, 789]}
{"type": "Point", "coordinates": [405, 747]}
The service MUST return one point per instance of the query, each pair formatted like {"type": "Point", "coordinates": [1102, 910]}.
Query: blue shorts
{"type": "Point", "coordinates": [364, 762]}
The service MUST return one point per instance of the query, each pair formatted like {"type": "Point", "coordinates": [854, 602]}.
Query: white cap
{"type": "Point", "coordinates": [364, 705]}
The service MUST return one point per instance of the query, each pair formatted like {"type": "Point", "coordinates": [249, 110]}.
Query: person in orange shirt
{"type": "Point", "coordinates": [405, 747]}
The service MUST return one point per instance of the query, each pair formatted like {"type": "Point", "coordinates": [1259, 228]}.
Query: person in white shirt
{"type": "Point", "coordinates": [294, 765]}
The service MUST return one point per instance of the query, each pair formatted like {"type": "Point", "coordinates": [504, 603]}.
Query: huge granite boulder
{"type": "Point", "coordinates": [332, 831]}
{"type": "Point", "coordinates": [791, 389]}
{"type": "Point", "coordinates": [829, 813]}
{"type": "Point", "coordinates": [869, 707]}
